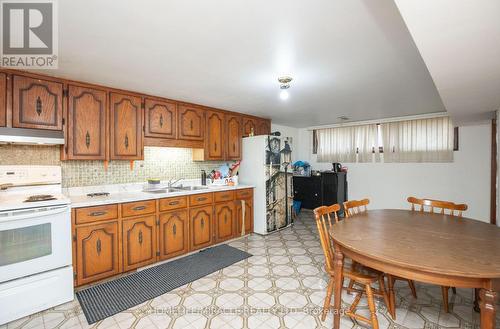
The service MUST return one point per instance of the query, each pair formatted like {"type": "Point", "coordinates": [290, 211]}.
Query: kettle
{"type": "Point", "coordinates": [337, 167]}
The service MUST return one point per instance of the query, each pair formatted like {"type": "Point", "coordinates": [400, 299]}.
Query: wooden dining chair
{"type": "Point", "coordinates": [353, 207]}
{"type": "Point", "coordinates": [444, 208]}
{"type": "Point", "coordinates": [326, 216]}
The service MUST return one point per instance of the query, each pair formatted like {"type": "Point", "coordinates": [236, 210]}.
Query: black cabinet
{"type": "Point", "coordinates": [327, 189]}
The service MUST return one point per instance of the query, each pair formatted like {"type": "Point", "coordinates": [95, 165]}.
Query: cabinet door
{"type": "Point", "coordinates": [225, 218]}
{"type": "Point", "coordinates": [263, 127]}
{"type": "Point", "coordinates": [248, 216]}
{"type": "Point", "coordinates": [160, 119]}
{"type": "Point", "coordinates": [3, 99]}
{"type": "Point", "coordinates": [200, 227]}
{"type": "Point", "coordinates": [233, 137]}
{"type": "Point", "coordinates": [37, 104]}
{"type": "Point", "coordinates": [139, 242]}
{"type": "Point", "coordinates": [87, 116]}
{"type": "Point", "coordinates": [249, 126]}
{"type": "Point", "coordinates": [96, 252]}
{"type": "Point", "coordinates": [191, 123]}
{"type": "Point", "coordinates": [214, 145]}
{"type": "Point", "coordinates": [173, 234]}
{"type": "Point", "coordinates": [125, 127]}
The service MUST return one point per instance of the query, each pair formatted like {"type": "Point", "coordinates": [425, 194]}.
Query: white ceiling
{"type": "Point", "coordinates": [460, 44]}
{"type": "Point", "coordinates": [347, 57]}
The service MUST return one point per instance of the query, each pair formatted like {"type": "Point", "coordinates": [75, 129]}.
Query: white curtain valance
{"type": "Point", "coordinates": [425, 140]}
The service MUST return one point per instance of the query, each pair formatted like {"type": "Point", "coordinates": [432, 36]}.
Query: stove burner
{"type": "Point", "coordinates": [40, 197]}
{"type": "Point", "coordinates": [91, 195]}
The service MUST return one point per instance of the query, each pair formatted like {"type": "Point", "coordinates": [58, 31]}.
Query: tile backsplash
{"type": "Point", "coordinates": [159, 162]}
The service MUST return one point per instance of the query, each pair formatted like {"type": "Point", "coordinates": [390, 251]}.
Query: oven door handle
{"type": "Point", "coordinates": [37, 212]}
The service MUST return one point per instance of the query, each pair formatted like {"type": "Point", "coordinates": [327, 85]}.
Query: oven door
{"type": "Point", "coordinates": [34, 241]}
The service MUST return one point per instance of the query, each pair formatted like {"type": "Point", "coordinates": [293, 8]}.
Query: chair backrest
{"type": "Point", "coordinates": [431, 205]}
{"type": "Point", "coordinates": [353, 207]}
{"type": "Point", "coordinates": [324, 222]}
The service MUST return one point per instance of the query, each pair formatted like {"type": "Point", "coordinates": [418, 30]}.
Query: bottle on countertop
{"type": "Point", "coordinates": [203, 177]}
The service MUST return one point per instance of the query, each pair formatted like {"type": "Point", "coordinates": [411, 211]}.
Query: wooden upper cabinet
{"type": "Point", "coordinates": [249, 125]}
{"type": "Point", "coordinates": [191, 123]}
{"type": "Point", "coordinates": [200, 227]}
{"type": "Point", "coordinates": [173, 234]}
{"type": "Point", "coordinates": [3, 99]}
{"type": "Point", "coordinates": [87, 118]}
{"type": "Point", "coordinates": [263, 127]}
{"type": "Point", "coordinates": [139, 242]}
{"type": "Point", "coordinates": [125, 127]}
{"type": "Point", "coordinates": [214, 143]}
{"type": "Point", "coordinates": [96, 252]}
{"type": "Point", "coordinates": [37, 103]}
{"type": "Point", "coordinates": [233, 137]}
{"type": "Point", "coordinates": [160, 119]}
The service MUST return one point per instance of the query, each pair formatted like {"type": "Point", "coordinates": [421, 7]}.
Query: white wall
{"type": "Point", "coordinates": [388, 185]}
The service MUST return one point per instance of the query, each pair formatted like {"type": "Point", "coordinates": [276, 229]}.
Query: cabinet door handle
{"type": "Point", "coordinates": [201, 199]}
{"type": "Point", "coordinates": [174, 230]}
{"type": "Point", "coordinates": [140, 237]}
{"type": "Point", "coordinates": [234, 147]}
{"type": "Point", "coordinates": [161, 120]}
{"type": "Point", "coordinates": [87, 139]}
{"type": "Point", "coordinates": [225, 219]}
{"type": "Point", "coordinates": [139, 208]}
{"type": "Point", "coordinates": [173, 203]}
{"type": "Point", "coordinates": [38, 105]}
{"type": "Point", "coordinates": [215, 146]}
{"type": "Point", "coordinates": [191, 124]}
{"type": "Point", "coordinates": [126, 141]}
{"type": "Point", "coordinates": [98, 246]}
{"type": "Point", "coordinates": [202, 223]}
{"type": "Point", "coordinates": [98, 213]}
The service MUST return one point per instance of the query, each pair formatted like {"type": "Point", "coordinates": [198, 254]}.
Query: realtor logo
{"type": "Point", "coordinates": [29, 34]}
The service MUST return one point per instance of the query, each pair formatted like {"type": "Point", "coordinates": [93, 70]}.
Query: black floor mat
{"type": "Point", "coordinates": [112, 297]}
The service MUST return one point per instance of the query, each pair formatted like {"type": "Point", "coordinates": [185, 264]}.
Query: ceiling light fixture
{"type": "Point", "coordinates": [284, 85]}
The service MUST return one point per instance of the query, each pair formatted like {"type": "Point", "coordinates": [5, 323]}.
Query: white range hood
{"type": "Point", "coordinates": [31, 136]}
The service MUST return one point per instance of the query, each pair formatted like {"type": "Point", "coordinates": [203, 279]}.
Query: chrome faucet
{"type": "Point", "coordinates": [171, 182]}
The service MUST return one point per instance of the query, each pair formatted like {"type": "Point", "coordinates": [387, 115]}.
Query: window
{"type": "Point", "coordinates": [348, 144]}
{"type": "Point", "coordinates": [421, 140]}
{"type": "Point", "coordinates": [425, 140]}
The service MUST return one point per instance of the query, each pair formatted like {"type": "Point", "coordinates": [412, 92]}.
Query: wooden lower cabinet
{"type": "Point", "coordinates": [139, 242]}
{"type": "Point", "coordinates": [200, 227]}
{"type": "Point", "coordinates": [115, 238]}
{"type": "Point", "coordinates": [97, 252]}
{"type": "Point", "coordinates": [173, 234]}
{"type": "Point", "coordinates": [248, 216]}
{"type": "Point", "coordinates": [225, 221]}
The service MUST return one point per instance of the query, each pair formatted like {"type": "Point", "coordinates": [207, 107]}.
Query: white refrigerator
{"type": "Point", "coordinates": [266, 162]}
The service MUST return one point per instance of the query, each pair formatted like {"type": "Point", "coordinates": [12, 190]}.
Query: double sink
{"type": "Point", "coordinates": [175, 189]}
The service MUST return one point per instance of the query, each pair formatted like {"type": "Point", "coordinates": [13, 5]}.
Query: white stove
{"type": "Point", "coordinates": [36, 270]}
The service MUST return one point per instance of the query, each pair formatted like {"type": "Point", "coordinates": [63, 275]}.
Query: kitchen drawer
{"type": "Point", "coordinates": [97, 213]}
{"type": "Point", "coordinates": [138, 208]}
{"type": "Point", "coordinates": [200, 199]}
{"type": "Point", "coordinates": [224, 196]}
{"type": "Point", "coordinates": [244, 194]}
{"type": "Point", "coordinates": [173, 203]}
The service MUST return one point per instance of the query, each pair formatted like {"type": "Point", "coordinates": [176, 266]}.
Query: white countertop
{"type": "Point", "coordinates": [130, 192]}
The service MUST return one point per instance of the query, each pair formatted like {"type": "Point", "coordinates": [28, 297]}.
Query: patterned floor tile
{"type": "Point", "coordinates": [282, 286]}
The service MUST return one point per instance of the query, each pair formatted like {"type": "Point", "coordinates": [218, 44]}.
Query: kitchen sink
{"type": "Point", "coordinates": [192, 188]}
{"type": "Point", "coordinates": [163, 190]}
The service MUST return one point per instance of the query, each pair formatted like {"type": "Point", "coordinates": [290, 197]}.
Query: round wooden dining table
{"type": "Point", "coordinates": [426, 247]}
